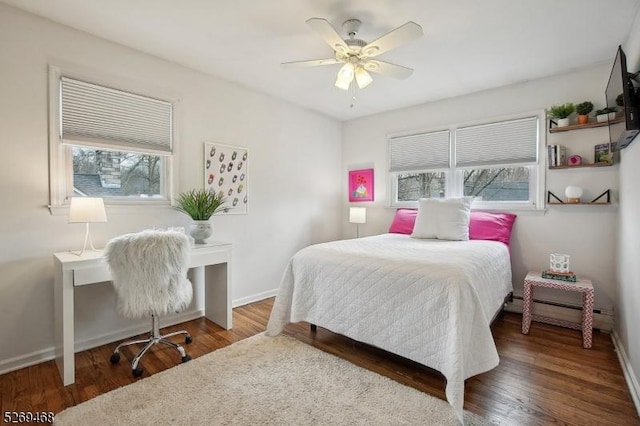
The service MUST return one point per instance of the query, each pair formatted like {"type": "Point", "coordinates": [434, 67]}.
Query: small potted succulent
{"type": "Point", "coordinates": [200, 205]}
{"type": "Point", "coordinates": [561, 113]}
{"type": "Point", "coordinates": [605, 114]}
{"type": "Point", "coordinates": [583, 109]}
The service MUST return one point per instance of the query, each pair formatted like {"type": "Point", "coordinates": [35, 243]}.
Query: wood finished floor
{"type": "Point", "coordinates": [545, 378]}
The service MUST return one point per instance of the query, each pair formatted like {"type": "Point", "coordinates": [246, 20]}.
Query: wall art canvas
{"type": "Point", "coordinates": [226, 171]}
{"type": "Point", "coordinates": [361, 185]}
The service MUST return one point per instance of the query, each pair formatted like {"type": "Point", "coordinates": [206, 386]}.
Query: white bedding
{"type": "Point", "coordinates": [431, 301]}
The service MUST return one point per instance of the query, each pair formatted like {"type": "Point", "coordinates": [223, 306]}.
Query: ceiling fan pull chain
{"type": "Point", "coordinates": [353, 94]}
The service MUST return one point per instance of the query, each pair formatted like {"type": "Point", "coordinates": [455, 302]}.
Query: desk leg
{"type": "Point", "coordinates": [527, 305]}
{"type": "Point", "coordinates": [587, 319]}
{"type": "Point", "coordinates": [64, 318]}
{"type": "Point", "coordinates": [217, 292]}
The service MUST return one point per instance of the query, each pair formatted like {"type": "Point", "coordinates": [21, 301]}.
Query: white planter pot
{"type": "Point", "coordinates": [612, 116]}
{"type": "Point", "coordinates": [602, 118]}
{"type": "Point", "coordinates": [563, 122]}
{"type": "Point", "coordinates": [201, 230]}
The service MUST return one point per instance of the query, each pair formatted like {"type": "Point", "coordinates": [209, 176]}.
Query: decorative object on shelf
{"type": "Point", "coordinates": [605, 114]}
{"type": "Point", "coordinates": [574, 160]}
{"type": "Point", "coordinates": [573, 194]}
{"type": "Point", "coordinates": [226, 172]}
{"type": "Point", "coordinates": [87, 210]}
{"type": "Point", "coordinates": [583, 109]}
{"type": "Point", "coordinates": [361, 185]}
{"type": "Point", "coordinates": [559, 263]}
{"type": "Point", "coordinates": [559, 268]}
{"type": "Point", "coordinates": [602, 153]}
{"type": "Point", "coordinates": [561, 113]}
{"type": "Point", "coordinates": [357, 215]}
{"type": "Point", "coordinates": [200, 205]}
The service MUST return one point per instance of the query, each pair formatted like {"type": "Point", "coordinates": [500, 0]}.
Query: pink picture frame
{"type": "Point", "coordinates": [361, 185]}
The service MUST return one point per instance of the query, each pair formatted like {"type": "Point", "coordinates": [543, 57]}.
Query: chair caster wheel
{"type": "Point", "coordinates": [137, 372]}
{"type": "Point", "coordinates": [186, 358]}
{"type": "Point", "coordinates": [188, 339]}
{"type": "Point", "coordinates": [115, 358]}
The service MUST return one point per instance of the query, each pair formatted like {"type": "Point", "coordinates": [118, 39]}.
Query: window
{"type": "Point", "coordinates": [469, 161]}
{"type": "Point", "coordinates": [108, 143]}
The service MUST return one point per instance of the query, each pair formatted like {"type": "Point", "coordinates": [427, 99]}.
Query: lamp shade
{"type": "Point", "coordinates": [363, 78]}
{"type": "Point", "coordinates": [87, 209]}
{"type": "Point", "coordinates": [573, 193]}
{"type": "Point", "coordinates": [357, 215]}
{"type": "Point", "coordinates": [345, 76]}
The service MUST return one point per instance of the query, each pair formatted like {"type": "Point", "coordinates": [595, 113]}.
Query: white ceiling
{"type": "Point", "coordinates": [468, 45]}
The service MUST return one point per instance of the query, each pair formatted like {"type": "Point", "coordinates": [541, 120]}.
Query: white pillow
{"type": "Point", "coordinates": [443, 218]}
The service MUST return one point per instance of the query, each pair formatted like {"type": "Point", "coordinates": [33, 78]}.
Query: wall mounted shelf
{"type": "Point", "coordinates": [603, 164]}
{"type": "Point", "coordinates": [595, 202]}
{"type": "Point", "coordinates": [581, 126]}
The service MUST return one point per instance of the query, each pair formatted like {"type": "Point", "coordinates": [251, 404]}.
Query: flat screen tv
{"type": "Point", "coordinates": [623, 97]}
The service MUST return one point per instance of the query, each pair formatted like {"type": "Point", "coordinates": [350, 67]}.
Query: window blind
{"type": "Point", "coordinates": [419, 152]}
{"type": "Point", "coordinates": [100, 116]}
{"type": "Point", "coordinates": [506, 142]}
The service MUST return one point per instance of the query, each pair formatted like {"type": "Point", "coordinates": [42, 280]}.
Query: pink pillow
{"type": "Point", "coordinates": [491, 226]}
{"type": "Point", "coordinates": [403, 221]}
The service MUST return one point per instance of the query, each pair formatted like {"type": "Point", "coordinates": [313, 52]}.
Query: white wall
{"type": "Point", "coordinates": [295, 178]}
{"type": "Point", "coordinates": [587, 233]}
{"type": "Point", "coordinates": [628, 295]}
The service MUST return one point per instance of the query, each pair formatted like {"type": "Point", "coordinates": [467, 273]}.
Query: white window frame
{"type": "Point", "coordinates": [61, 157]}
{"type": "Point", "coordinates": [454, 176]}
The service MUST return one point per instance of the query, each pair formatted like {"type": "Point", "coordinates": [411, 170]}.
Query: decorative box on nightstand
{"type": "Point", "coordinates": [582, 285]}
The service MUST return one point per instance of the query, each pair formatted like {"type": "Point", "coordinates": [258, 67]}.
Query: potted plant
{"type": "Point", "coordinates": [583, 109]}
{"type": "Point", "coordinates": [562, 113]}
{"type": "Point", "coordinates": [200, 205]}
{"type": "Point", "coordinates": [605, 114]}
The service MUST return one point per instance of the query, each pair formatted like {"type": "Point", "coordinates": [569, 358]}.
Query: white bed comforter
{"type": "Point", "coordinates": [427, 300]}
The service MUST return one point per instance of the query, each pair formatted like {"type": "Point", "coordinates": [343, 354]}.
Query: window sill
{"type": "Point", "coordinates": [114, 207]}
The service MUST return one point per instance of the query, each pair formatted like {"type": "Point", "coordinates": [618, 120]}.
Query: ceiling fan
{"type": "Point", "coordinates": [358, 55]}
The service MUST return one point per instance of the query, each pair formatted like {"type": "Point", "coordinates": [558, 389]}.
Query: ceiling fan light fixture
{"type": "Point", "coordinates": [363, 78]}
{"type": "Point", "coordinates": [345, 76]}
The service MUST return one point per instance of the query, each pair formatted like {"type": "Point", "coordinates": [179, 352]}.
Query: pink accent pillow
{"type": "Point", "coordinates": [403, 221]}
{"type": "Point", "coordinates": [491, 226]}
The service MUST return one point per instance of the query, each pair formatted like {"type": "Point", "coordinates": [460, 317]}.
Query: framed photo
{"type": "Point", "coordinates": [226, 172]}
{"type": "Point", "coordinates": [361, 185]}
{"type": "Point", "coordinates": [602, 153]}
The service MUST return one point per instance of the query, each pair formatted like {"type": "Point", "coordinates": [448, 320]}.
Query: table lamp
{"type": "Point", "coordinates": [357, 215]}
{"type": "Point", "coordinates": [86, 210]}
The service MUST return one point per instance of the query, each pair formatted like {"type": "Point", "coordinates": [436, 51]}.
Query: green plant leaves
{"type": "Point", "coordinates": [200, 204]}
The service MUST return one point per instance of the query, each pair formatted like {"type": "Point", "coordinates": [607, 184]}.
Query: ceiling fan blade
{"type": "Point", "coordinates": [401, 35]}
{"type": "Point", "coordinates": [328, 34]}
{"type": "Point", "coordinates": [388, 69]}
{"type": "Point", "coordinates": [311, 63]}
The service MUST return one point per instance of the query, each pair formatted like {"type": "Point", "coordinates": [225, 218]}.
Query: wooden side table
{"type": "Point", "coordinates": [584, 286]}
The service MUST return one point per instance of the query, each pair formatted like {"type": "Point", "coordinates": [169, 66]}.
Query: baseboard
{"type": "Point", "coordinates": [48, 354]}
{"type": "Point", "coordinates": [627, 370]}
{"type": "Point", "coordinates": [602, 320]}
{"type": "Point", "coordinates": [255, 298]}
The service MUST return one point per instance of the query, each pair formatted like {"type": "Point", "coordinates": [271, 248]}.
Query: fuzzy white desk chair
{"type": "Point", "coordinates": [149, 271]}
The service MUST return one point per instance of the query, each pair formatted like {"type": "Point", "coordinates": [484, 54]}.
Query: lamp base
{"type": "Point", "coordinates": [87, 239]}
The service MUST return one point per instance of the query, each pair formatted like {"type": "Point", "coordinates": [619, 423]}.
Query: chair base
{"type": "Point", "coordinates": [154, 338]}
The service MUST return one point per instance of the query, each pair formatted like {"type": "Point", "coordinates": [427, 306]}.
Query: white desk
{"type": "Point", "coordinates": [210, 265]}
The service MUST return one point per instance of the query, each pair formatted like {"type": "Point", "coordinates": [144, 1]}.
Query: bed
{"type": "Point", "coordinates": [428, 300]}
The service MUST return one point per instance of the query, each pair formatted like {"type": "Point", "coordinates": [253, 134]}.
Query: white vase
{"type": "Point", "coordinates": [563, 122]}
{"type": "Point", "coordinates": [201, 230]}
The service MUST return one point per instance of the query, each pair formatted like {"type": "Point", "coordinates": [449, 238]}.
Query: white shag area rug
{"type": "Point", "coordinates": [265, 381]}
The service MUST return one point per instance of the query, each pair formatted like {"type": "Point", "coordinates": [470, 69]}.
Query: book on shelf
{"type": "Point", "coordinates": [561, 276]}
{"type": "Point", "coordinates": [557, 155]}
{"type": "Point", "coordinates": [602, 153]}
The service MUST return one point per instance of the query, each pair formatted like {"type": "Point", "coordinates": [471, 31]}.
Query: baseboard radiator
{"type": "Point", "coordinates": [602, 319]}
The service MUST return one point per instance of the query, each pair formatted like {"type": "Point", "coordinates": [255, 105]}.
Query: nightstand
{"type": "Point", "coordinates": [584, 286]}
